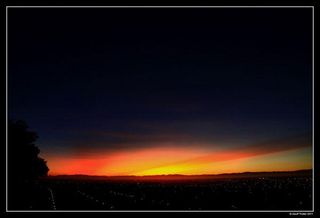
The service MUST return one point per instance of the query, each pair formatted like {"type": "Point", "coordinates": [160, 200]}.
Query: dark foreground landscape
{"type": "Point", "coordinates": [246, 191]}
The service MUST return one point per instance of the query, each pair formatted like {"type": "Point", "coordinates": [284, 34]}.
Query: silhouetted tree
{"type": "Point", "coordinates": [23, 160]}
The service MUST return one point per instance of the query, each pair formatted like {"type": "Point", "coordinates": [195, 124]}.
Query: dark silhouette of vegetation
{"type": "Point", "coordinates": [25, 168]}
{"type": "Point", "coordinates": [23, 160]}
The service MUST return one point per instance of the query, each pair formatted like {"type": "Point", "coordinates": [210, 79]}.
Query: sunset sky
{"type": "Point", "coordinates": [146, 91]}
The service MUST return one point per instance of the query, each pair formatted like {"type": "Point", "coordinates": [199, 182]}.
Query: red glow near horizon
{"type": "Point", "coordinates": [187, 161]}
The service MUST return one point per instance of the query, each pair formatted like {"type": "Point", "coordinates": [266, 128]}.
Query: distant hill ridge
{"type": "Point", "coordinates": [305, 172]}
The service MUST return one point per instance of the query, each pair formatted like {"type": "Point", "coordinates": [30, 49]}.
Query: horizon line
{"type": "Point", "coordinates": [228, 173]}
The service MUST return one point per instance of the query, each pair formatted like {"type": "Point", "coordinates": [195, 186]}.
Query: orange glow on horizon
{"type": "Point", "coordinates": [187, 161]}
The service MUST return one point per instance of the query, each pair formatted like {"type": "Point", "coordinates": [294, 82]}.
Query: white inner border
{"type": "Point", "coordinates": [289, 211]}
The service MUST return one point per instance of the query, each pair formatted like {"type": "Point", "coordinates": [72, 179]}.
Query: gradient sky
{"type": "Point", "coordinates": [143, 91]}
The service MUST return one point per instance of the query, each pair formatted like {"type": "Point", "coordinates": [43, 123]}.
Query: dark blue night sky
{"type": "Point", "coordinates": [235, 76]}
